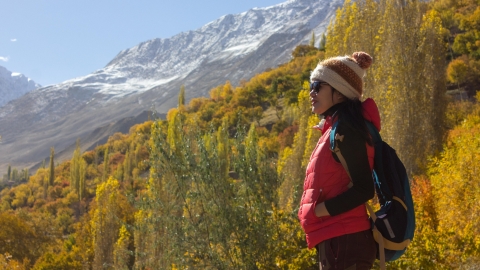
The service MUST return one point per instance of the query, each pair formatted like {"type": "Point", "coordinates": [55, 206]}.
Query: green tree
{"type": "Point", "coordinates": [312, 40]}
{"type": "Point", "coordinates": [293, 161]}
{"type": "Point", "coordinates": [51, 178]}
{"type": "Point", "coordinates": [214, 221]}
{"type": "Point", "coordinates": [181, 96]}
{"type": "Point", "coordinates": [127, 168]}
{"type": "Point", "coordinates": [15, 174]}
{"type": "Point", "coordinates": [322, 43]}
{"type": "Point", "coordinates": [26, 174]}
{"type": "Point", "coordinates": [77, 172]}
{"type": "Point", "coordinates": [105, 165]}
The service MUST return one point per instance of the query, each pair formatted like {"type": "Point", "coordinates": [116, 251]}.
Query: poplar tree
{"type": "Point", "coordinates": [105, 165]}
{"type": "Point", "coordinates": [127, 167]}
{"type": "Point", "coordinates": [77, 172]}
{"type": "Point", "coordinates": [181, 96]}
{"type": "Point", "coordinates": [293, 160]}
{"type": "Point", "coordinates": [95, 158]}
{"type": "Point", "coordinates": [26, 174]}
{"type": "Point", "coordinates": [119, 172]}
{"type": "Point", "coordinates": [322, 43]}
{"type": "Point", "coordinates": [312, 40]}
{"type": "Point", "coordinates": [408, 50]}
{"type": "Point", "coordinates": [9, 172]}
{"type": "Point", "coordinates": [121, 253]}
{"type": "Point", "coordinates": [14, 174]}
{"type": "Point", "coordinates": [45, 188]}
{"type": "Point", "coordinates": [81, 185]}
{"type": "Point", "coordinates": [51, 178]}
{"type": "Point", "coordinates": [105, 223]}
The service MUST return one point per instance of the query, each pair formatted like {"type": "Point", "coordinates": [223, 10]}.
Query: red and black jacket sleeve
{"type": "Point", "coordinates": [354, 150]}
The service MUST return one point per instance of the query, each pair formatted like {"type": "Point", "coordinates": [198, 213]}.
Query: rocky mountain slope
{"type": "Point", "coordinates": [149, 75]}
{"type": "Point", "coordinates": [14, 85]}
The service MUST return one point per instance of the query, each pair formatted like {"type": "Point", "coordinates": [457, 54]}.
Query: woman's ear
{"type": "Point", "coordinates": [339, 97]}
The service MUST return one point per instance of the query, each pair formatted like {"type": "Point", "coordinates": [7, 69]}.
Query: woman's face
{"type": "Point", "coordinates": [321, 97]}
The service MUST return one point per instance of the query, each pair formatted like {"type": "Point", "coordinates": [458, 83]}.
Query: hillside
{"type": "Point", "coordinates": [148, 76]}
{"type": "Point", "coordinates": [216, 184]}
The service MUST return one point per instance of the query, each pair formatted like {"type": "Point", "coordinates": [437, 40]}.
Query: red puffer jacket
{"type": "Point", "coordinates": [325, 179]}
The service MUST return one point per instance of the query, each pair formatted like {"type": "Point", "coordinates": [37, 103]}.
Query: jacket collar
{"type": "Point", "coordinates": [328, 117]}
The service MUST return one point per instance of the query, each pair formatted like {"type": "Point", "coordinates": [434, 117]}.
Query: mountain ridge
{"type": "Point", "coordinates": [13, 85]}
{"type": "Point", "coordinates": [149, 75]}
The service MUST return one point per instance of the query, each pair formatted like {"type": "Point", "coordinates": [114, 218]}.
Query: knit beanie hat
{"type": "Point", "coordinates": [344, 73]}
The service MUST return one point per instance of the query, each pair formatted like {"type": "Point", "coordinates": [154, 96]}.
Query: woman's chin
{"type": "Point", "coordinates": [317, 111]}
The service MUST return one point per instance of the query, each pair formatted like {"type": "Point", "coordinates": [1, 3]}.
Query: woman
{"type": "Point", "coordinates": [332, 211]}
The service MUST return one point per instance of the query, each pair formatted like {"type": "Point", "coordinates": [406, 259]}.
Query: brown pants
{"type": "Point", "coordinates": [354, 251]}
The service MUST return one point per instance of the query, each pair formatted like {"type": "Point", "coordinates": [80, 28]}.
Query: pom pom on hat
{"type": "Point", "coordinates": [363, 59]}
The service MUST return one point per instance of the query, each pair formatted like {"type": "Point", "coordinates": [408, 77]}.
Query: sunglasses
{"type": "Point", "coordinates": [315, 86]}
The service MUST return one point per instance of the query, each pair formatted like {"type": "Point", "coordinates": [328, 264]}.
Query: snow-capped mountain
{"type": "Point", "coordinates": [14, 85]}
{"type": "Point", "coordinates": [149, 75]}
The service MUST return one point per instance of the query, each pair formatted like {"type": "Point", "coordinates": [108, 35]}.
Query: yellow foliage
{"type": "Point", "coordinates": [455, 177]}
{"type": "Point", "coordinates": [172, 113]}
{"type": "Point", "coordinates": [121, 253]}
{"type": "Point", "coordinates": [215, 93]}
{"type": "Point", "coordinates": [407, 46]}
{"type": "Point", "coordinates": [111, 209]}
{"type": "Point", "coordinates": [400, 40]}
{"type": "Point", "coordinates": [457, 71]}
{"type": "Point", "coordinates": [16, 238]}
{"type": "Point", "coordinates": [195, 104]}
{"type": "Point", "coordinates": [8, 263]}
{"type": "Point", "coordinates": [313, 135]}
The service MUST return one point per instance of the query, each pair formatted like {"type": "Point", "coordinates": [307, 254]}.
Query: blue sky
{"type": "Point", "coordinates": [51, 41]}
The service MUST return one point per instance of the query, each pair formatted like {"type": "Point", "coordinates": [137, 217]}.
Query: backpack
{"type": "Point", "coordinates": [394, 224]}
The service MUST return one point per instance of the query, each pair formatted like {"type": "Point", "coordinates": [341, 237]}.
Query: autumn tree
{"type": "Point", "coordinates": [312, 40]}
{"type": "Point", "coordinates": [293, 160]}
{"type": "Point", "coordinates": [105, 165]}
{"type": "Point", "coordinates": [454, 176]}
{"type": "Point", "coordinates": [77, 172]}
{"type": "Point", "coordinates": [425, 251]}
{"type": "Point", "coordinates": [26, 236]}
{"type": "Point", "coordinates": [16, 237]}
{"type": "Point", "coordinates": [407, 45]}
{"type": "Point", "coordinates": [213, 193]}
{"type": "Point", "coordinates": [322, 43]}
{"type": "Point", "coordinates": [181, 96]}
{"type": "Point", "coordinates": [110, 238]}
{"type": "Point", "coordinates": [51, 177]}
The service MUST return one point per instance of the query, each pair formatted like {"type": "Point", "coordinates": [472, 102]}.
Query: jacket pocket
{"type": "Point", "coordinates": [319, 199]}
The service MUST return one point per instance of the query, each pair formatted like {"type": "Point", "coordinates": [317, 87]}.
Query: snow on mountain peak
{"type": "Point", "coordinates": [148, 76]}
{"type": "Point", "coordinates": [13, 85]}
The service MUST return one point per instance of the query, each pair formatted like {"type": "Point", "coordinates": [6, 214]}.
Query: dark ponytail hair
{"type": "Point", "coordinates": [351, 114]}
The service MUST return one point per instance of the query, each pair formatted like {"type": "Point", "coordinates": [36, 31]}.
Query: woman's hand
{"type": "Point", "coordinates": [321, 210]}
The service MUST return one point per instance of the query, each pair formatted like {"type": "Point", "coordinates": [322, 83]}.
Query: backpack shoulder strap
{"type": "Point", "coordinates": [372, 129]}
{"type": "Point", "coordinates": [333, 131]}
{"type": "Point", "coordinates": [334, 136]}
